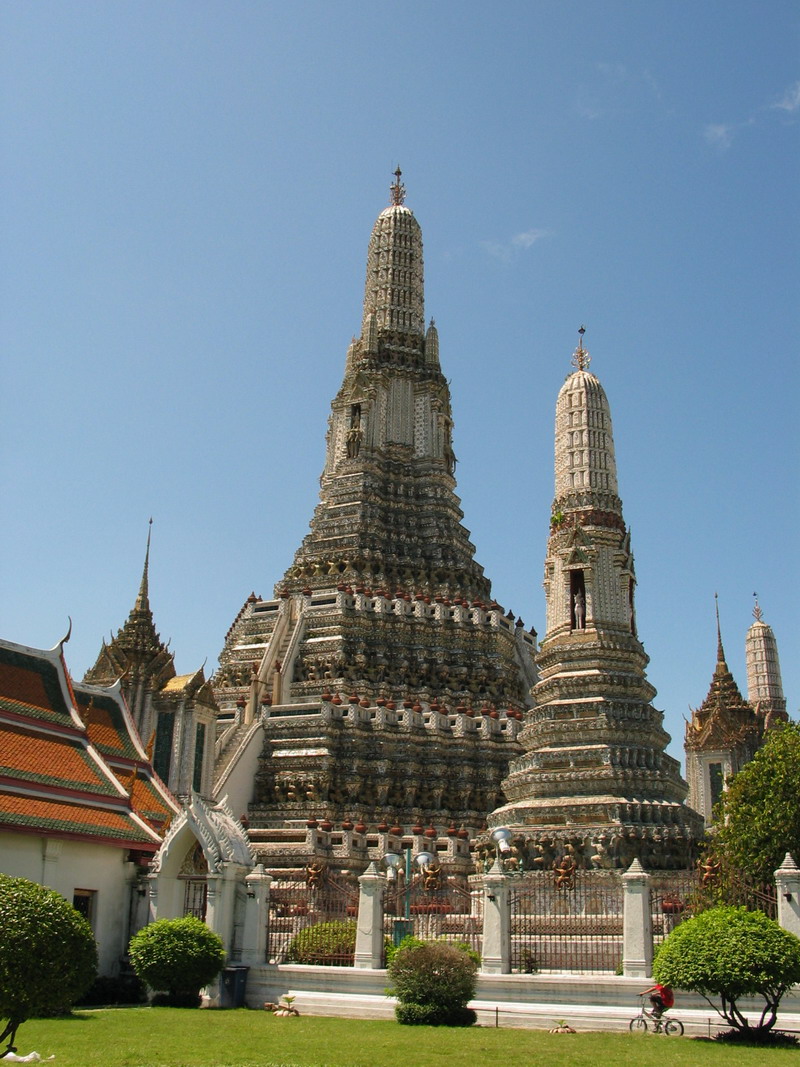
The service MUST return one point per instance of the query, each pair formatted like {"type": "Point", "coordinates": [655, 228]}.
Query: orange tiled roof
{"type": "Point", "coordinates": [48, 755]}
{"type": "Point", "coordinates": [32, 686]}
{"type": "Point", "coordinates": [105, 724]}
{"type": "Point", "coordinates": [148, 801]}
{"type": "Point", "coordinates": [36, 813]}
{"type": "Point", "coordinates": [50, 760]}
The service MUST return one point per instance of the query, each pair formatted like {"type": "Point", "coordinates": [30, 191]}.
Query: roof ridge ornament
{"type": "Point", "coordinates": [580, 357]}
{"type": "Point", "coordinates": [397, 189]}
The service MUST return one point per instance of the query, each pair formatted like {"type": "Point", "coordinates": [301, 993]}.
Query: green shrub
{"type": "Point", "coordinates": [433, 982]}
{"type": "Point", "coordinates": [434, 1015]}
{"type": "Point", "coordinates": [410, 939]}
{"type": "Point", "coordinates": [327, 944]}
{"type": "Point", "coordinates": [420, 1014]}
{"type": "Point", "coordinates": [406, 942]}
{"type": "Point", "coordinates": [730, 953]}
{"type": "Point", "coordinates": [178, 957]}
{"type": "Point", "coordinates": [47, 953]}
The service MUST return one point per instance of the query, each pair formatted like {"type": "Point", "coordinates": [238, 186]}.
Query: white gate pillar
{"type": "Point", "coordinates": [787, 883]}
{"type": "Point", "coordinates": [254, 935]}
{"type": "Point", "coordinates": [369, 931]}
{"type": "Point", "coordinates": [637, 945]}
{"type": "Point", "coordinates": [496, 956]}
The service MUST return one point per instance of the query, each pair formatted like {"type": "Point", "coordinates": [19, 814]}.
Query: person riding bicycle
{"type": "Point", "coordinates": [661, 997]}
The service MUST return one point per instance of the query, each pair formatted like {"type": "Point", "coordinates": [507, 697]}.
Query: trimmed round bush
{"type": "Point", "coordinates": [731, 953]}
{"type": "Point", "coordinates": [177, 957]}
{"type": "Point", "coordinates": [326, 944]}
{"type": "Point", "coordinates": [407, 942]}
{"type": "Point", "coordinates": [48, 956]}
{"type": "Point", "coordinates": [434, 982]}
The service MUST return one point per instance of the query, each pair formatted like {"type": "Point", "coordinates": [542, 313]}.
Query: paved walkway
{"type": "Point", "coordinates": [527, 1015]}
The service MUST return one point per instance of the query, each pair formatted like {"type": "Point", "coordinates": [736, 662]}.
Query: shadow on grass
{"type": "Point", "coordinates": [83, 1015]}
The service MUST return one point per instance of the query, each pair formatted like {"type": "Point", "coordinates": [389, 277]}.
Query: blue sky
{"type": "Point", "coordinates": [187, 195]}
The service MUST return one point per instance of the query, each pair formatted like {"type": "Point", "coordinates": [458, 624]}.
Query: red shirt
{"type": "Point", "coordinates": [666, 995]}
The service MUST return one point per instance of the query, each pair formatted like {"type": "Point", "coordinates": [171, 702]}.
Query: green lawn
{"type": "Point", "coordinates": [168, 1037]}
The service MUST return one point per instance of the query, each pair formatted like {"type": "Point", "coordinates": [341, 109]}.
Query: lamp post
{"type": "Point", "coordinates": [392, 860]}
{"type": "Point", "coordinates": [501, 836]}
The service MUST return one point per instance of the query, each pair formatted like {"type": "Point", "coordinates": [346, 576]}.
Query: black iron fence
{"type": "Point", "coordinates": [561, 921]}
{"type": "Point", "coordinates": [312, 923]}
{"type": "Point", "coordinates": [567, 923]}
{"type": "Point", "coordinates": [673, 897]}
{"type": "Point", "coordinates": [449, 910]}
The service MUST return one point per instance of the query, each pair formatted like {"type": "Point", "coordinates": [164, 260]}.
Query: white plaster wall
{"type": "Point", "coordinates": [75, 865]}
{"type": "Point", "coordinates": [238, 781]}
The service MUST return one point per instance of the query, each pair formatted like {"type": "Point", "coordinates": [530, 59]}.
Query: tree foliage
{"type": "Point", "coordinates": [758, 819]}
{"type": "Point", "coordinates": [328, 943]}
{"type": "Point", "coordinates": [410, 940]}
{"type": "Point", "coordinates": [434, 982]}
{"type": "Point", "coordinates": [178, 956]}
{"type": "Point", "coordinates": [729, 953]}
{"type": "Point", "coordinates": [48, 956]}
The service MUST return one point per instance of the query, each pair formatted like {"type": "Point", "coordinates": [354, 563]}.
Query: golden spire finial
{"type": "Point", "coordinates": [580, 357]}
{"type": "Point", "coordinates": [398, 190]}
{"type": "Point", "coordinates": [142, 601]}
{"type": "Point", "coordinates": [758, 614]}
{"type": "Point", "coordinates": [720, 651]}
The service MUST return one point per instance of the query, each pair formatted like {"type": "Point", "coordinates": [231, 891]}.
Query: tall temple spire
{"type": "Point", "coordinates": [720, 650]}
{"type": "Point", "coordinates": [136, 654]}
{"type": "Point", "coordinates": [384, 604]}
{"type": "Point", "coordinates": [764, 684]}
{"type": "Point", "coordinates": [143, 599]}
{"type": "Point", "coordinates": [388, 515]}
{"type": "Point", "coordinates": [721, 737]}
{"type": "Point", "coordinates": [594, 779]}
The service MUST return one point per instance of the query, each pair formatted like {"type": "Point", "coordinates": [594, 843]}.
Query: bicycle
{"type": "Point", "coordinates": [659, 1024]}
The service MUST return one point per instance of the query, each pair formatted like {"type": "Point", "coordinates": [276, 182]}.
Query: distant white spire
{"type": "Point", "coordinates": [764, 685]}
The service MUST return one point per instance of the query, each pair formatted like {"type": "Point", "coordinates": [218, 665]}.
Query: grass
{"type": "Point", "coordinates": [170, 1037]}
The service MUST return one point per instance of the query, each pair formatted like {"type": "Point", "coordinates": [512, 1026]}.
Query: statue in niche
{"type": "Point", "coordinates": [355, 435]}
{"type": "Point", "coordinates": [580, 611]}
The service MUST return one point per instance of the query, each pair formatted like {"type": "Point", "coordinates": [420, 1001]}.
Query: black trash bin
{"type": "Point", "coordinates": [232, 987]}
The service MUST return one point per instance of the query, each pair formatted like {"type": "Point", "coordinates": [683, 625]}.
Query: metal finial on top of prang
{"type": "Point", "coordinates": [758, 614]}
{"type": "Point", "coordinates": [397, 189]}
{"type": "Point", "coordinates": [580, 357]}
